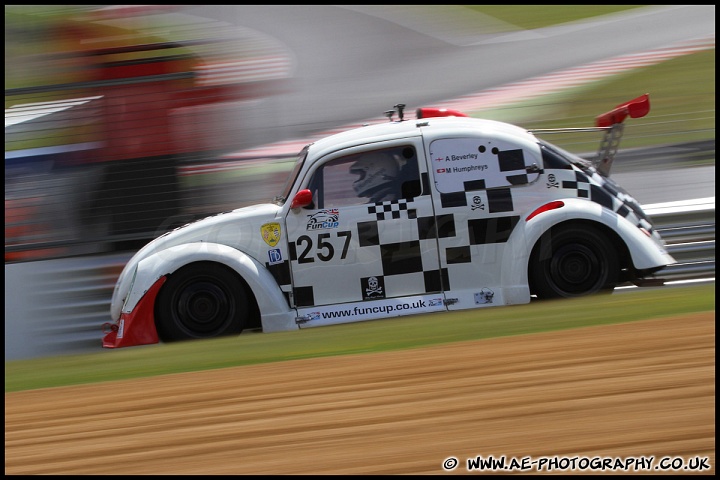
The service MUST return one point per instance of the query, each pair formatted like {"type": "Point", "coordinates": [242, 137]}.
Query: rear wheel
{"type": "Point", "coordinates": [201, 300]}
{"type": "Point", "coordinates": [573, 261]}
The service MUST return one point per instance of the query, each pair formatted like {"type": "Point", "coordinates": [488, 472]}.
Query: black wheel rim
{"type": "Point", "coordinates": [576, 269]}
{"type": "Point", "coordinates": [203, 308]}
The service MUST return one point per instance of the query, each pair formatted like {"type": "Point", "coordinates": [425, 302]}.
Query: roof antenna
{"type": "Point", "coordinates": [400, 107]}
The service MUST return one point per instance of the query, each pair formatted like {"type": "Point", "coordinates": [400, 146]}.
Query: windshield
{"type": "Point", "coordinates": [280, 199]}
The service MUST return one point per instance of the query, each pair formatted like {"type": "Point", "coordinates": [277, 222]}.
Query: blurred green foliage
{"type": "Point", "coordinates": [682, 105]}
{"type": "Point", "coordinates": [538, 16]}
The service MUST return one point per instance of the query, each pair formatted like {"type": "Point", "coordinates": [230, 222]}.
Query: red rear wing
{"type": "Point", "coordinates": [635, 108]}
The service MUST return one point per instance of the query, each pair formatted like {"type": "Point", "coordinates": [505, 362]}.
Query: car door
{"type": "Point", "coordinates": [366, 246]}
{"type": "Point", "coordinates": [478, 185]}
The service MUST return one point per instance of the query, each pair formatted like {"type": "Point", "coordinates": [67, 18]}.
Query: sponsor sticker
{"type": "Point", "coordinates": [274, 256]}
{"type": "Point", "coordinates": [484, 296]}
{"type": "Point", "coordinates": [324, 219]}
{"type": "Point", "coordinates": [380, 308]}
{"type": "Point", "coordinates": [271, 233]}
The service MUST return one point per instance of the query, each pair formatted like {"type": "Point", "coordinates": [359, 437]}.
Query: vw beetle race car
{"type": "Point", "coordinates": [444, 212]}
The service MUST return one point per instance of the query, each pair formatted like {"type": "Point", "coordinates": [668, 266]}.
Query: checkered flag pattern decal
{"type": "Point", "coordinates": [390, 209]}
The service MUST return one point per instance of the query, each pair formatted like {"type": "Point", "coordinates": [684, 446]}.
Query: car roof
{"type": "Point", "coordinates": [431, 128]}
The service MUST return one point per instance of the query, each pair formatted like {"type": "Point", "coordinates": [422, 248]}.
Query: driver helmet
{"type": "Point", "coordinates": [375, 170]}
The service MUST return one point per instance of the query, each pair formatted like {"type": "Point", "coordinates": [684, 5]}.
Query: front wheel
{"type": "Point", "coordinates": [201, 300]}
{"type": "Point", "coordinates": [573, 261]}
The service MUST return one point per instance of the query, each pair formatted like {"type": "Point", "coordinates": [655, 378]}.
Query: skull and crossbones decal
{"type": "Point", "coordinates": [477, 203]}
{"type": "Point", "coordinates": [373, 289]}
{"type": "Point", "coordinates": [552, 182]}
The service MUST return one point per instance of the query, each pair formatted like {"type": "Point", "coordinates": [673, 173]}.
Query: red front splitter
{"type": "Point", "coordinates": [137, 327]}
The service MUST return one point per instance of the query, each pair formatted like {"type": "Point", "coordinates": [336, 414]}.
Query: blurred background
{"type": "Point", "coordinates": [122, 122]}
{"type": "Point", "coordinates": [104, 106]}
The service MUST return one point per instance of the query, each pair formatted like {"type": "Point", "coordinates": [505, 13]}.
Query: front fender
{"type": "Point", "coordinates": [645, 252]}
{"type": "Point", "coordinates": [275, 313]}
{"type": "Point", "coordinates": [136, 327]}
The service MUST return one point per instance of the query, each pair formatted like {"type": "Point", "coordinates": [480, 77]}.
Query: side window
{"type": "Point", "coordinates": [366, 177]}
{"type": "Point", "coordinates": [467, 164]}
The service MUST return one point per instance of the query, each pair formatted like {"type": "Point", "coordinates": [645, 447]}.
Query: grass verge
{"type": "Point", "coordinates": [366, 337]}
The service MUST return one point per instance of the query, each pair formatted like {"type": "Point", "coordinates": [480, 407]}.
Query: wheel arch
{"type": "Point", "coordinates": [272, 306]}
{"type": "Point", "coordinates": [576, 258]}
{"type": "Point", "coordinates": [254, 320]}
{"type": "Point", "coordinates": [639, 252]}
{"type": "Point", "coordinates": [625, 260]}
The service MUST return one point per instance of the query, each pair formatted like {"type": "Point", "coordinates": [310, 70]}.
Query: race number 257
{"type": "Point", "coordinates": [324, 249]}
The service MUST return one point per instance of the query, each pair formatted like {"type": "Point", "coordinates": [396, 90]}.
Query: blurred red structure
{"type": "Point", "coordinates": [154, 103]}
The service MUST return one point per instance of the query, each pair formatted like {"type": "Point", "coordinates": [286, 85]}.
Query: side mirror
{"type": "Point", "coordinates": [303, 198]}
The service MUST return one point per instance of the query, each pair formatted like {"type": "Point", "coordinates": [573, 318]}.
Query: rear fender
{"type": "Point", "coordinates": [645, 253]}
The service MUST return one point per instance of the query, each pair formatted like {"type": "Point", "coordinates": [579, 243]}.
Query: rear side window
{"type": "Point", "coordinates": [467, 164]}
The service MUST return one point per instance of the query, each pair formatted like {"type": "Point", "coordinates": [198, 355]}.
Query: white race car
{"type": "Point", "coordinates": [444, 212]}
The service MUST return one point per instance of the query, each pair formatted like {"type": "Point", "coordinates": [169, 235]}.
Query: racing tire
{"type": "Point", "coordinates": [201, 300]}
{"type": "Point", "coordinates": [573, 261]}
